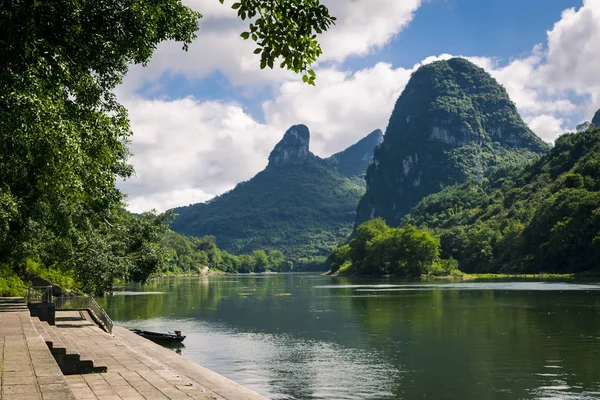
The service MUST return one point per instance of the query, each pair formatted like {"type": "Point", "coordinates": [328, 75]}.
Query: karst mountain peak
{"type": "Point", "coordinates": [452, 121]}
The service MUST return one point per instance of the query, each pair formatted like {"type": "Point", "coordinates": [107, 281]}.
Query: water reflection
{"type": "Point", "coordinates": [176, 347]}
{"type": "Point", "coordinates": [314, 337]}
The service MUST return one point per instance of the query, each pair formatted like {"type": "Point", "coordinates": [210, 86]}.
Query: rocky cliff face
{"type": "Point", "coordinates": [293, 148]}
{"type": "Point", "coordinates": [596, 119]}
{"type": "Point", "coordinates": [452, 122]}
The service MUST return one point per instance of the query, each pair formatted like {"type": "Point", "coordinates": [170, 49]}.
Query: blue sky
{"type": "Point", "coordinates": [498, 29]}
{"type": "Point", "coordinates": [222, 115]}
{"type": "Point", "coordinates": [488, 28]}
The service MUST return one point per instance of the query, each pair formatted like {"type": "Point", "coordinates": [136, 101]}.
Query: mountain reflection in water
{"type": "Point", "coordinates": [343, 338]}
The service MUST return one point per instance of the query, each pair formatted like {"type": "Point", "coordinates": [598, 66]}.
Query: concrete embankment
{"type": "Point", "coordinates": [28, 371]}
{"type": "Point", "coordinates": [136, 368]}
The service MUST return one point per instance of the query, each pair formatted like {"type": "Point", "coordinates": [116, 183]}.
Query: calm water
{"type": "Point", "coordinates": [316, 337]}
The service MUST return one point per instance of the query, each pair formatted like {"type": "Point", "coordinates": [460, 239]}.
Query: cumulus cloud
{"type": "Point", "coordinates": [343, 108]}
{"type": "Point", "coordinates": [548, 127]}
{"type": "Point", "coordinates": [574, 49]}
{"type": "Point", "coordinates": [167, 200]}
{"type": "Point", "coordinates": [364, 25]}
{"type": "Point", "coordinates": [361, 27]}
{"type": "Point", "coordinates": [185, 150]}
{"type": "Point", "coordinates": [564, 68]}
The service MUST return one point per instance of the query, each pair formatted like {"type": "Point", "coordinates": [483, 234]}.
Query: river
{"type": "Point", "coordinates": [302, 336]}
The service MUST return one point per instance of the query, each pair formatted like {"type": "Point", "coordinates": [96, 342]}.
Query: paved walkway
{"type": "Point", "coordinates": [138, 368]}
{"type": "Point", "coordinates": [28, 370]}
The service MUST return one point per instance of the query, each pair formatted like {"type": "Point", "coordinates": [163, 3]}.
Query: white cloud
{"type": "Point", "coordinates": [364, 25]}
{"type": "Point", "coordinates": [167, 200]}
{"type": "Point", "coordinates": [565, 67]}
{"type": "Point", "coordinates": [361, 27]}
{"type": "Point", "coordinates": [343, 107]}
{"type": "Point", "coordinates": [574, 49]}
{"type": "Point", "coordinates": [548, 127]}
{"type": "Point", "coordinates": [185, 150]}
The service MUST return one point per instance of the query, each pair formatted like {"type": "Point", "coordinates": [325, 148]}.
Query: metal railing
{"type": "Point", "coordinates": [39, 294]}
{"type": "Point", "coordinates": [87, 303]}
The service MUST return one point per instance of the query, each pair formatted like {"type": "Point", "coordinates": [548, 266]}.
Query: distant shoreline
{"type": "Point", "coordinates": [209, 273]}
{"type": "Point", "coordinates": [468, 277]}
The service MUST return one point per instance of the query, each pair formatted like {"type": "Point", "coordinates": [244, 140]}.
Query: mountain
{"type": "Point", "coordinates": [452, 122]}
{"type": "Point", "coordinates": [543, 217]}
{"type": "Point", "coordinates": [299, 204]}
{"type": "Point", "coordinates": [596, 119]}
{"type": "Point", "coordinates": [353, 162]}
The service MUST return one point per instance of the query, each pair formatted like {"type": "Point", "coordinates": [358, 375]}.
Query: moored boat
{"type": "Point", "coordinates": [175, 337]}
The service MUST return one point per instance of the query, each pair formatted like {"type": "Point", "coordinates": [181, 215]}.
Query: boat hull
{"type": "Point", "coordinates": [159, 337]}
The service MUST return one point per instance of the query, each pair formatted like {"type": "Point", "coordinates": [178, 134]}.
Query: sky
{"type": "Point", "coordinates": [207, 119]}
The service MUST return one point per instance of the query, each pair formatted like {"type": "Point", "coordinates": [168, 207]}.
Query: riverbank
{"type": "Point", "coordinates": [203, 272]}
{"type": "Point", "coordinates": [469, 277]}
{"type": "Point", "coordinates": [136, 368]}
{"type": "Point", "coordinates": [210, 273]}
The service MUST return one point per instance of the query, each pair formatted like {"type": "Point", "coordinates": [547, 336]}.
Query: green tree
{"type": "Point", "coordinates": [405, 251]}
{"type": "Point", "coordinates": [230, 262]}
{"type": "Point", "coordinates": [130, 249]}
{"type": "Point", "coordinates": [365, 232]}
{"type": "Point", "coordinates": [339, 256]}
{"type": "Point", "coordinates": [276, 260]}
{"type": "Point", "coordinates": [286, 31]}
{"type": "Point", "coordinates": [247, 263]}
{"type": "Point", "coordinates": [63, 135]}
{"type": "Point", "coordinates": [380, 250]}
{"type": "Point", "coordinates": [261, 261]}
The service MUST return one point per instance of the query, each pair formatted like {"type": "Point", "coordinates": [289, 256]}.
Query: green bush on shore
{"type": "Point", "coordinates": [10, 283]}
{"type": "Point", "coordinates": [378, 249]}
{"type": "Point", "coordinates": [53, 274]}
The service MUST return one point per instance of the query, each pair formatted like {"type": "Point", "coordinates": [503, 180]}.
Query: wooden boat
{"type": "Point", "coordinates": [175, 337]}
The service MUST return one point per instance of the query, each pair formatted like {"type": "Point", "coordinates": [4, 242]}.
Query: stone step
{"type": "Point", "coordinates": [12, 308]}
{"type": "Point", "coordinates": [71, 358]}
{"type": "Point", "coordinates": [12, 304]}
{"type": "Point", "coordinates": [9, 300]}
{"type": "Point", "coordinates": [30, 370]}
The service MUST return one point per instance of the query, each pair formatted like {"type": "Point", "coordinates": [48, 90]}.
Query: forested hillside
{"type": "Point", "coordinates": [459, 163]}
{"type": "Point", "coordinates": [544, 217]}
{"type": "Point", "coordinates": [191, 255]}
{"type": "Point", "coordinates": [300, 204]}
{"type": "Point", "coordinates": [540, 218]}
{"type": "Point", "coordinates": [353, 162]}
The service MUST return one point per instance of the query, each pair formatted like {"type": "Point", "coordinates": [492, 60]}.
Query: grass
{"type": "Point", "coordinates": [11, 284]}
